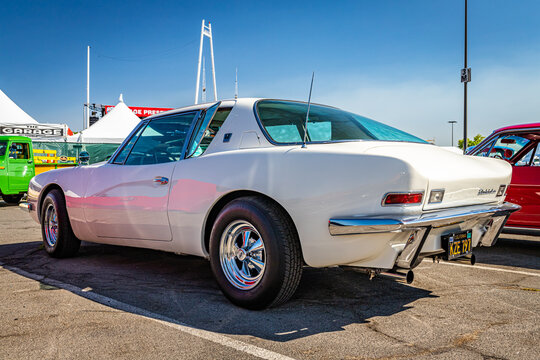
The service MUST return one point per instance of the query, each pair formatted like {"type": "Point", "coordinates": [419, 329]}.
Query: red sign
{"type": "Point", "coordinates": [141, 112]}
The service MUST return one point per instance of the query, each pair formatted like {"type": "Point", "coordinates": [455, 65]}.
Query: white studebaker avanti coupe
{"type": "Point", "coordinates": [231, 182]}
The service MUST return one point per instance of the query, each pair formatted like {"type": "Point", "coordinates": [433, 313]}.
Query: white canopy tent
{"type": "Point", "coordinates": [112, 128]}
{"type": "Point", "coordinates": [14, 121]}
{"type": "Point", "coordinates": [10, 113]}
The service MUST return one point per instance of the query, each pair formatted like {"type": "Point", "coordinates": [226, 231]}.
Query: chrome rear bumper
{"type": "Point", "coordinates": [422, 225]}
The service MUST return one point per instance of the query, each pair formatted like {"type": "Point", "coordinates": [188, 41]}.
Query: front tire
{"type": "Point", "coordinates": [12, 199]}
{"type": "Point", "coordinates": [255, 253]}
{"type": "Point", "coordinates": [58, 237]}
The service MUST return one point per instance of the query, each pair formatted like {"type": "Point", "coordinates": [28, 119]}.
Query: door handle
{"type": "Point", "coordinates": [162, 180]}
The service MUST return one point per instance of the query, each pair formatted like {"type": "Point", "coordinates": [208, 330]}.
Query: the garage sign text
{"type": "Point", "coordinates": [31, 131]}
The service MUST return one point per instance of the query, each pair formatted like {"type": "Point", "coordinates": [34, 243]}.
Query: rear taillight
{"type": "Point", "coordinates": [403, 198]}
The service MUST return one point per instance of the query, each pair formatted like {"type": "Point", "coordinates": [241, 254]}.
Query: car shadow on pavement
{"type": "Point", "coordinates": [182, 288]}
{"type": "Point", "coordinates": [4, 204]}
{"type": "Point", "coordinates": [507, 252]}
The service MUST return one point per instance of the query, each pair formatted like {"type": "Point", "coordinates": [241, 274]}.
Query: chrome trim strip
{"type": "Point", "coordinates": [407, 258]}
{"type": "Point", "coordinates": [492, 234]}
{"type": "Point", "coordinates": [358, 225]}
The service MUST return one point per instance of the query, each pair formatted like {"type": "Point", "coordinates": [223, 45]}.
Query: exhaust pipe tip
{"type": "Point", "coordinates": [409, 277]}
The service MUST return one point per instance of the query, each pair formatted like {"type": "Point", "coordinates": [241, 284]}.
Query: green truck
{"type": "Point", "coordinates": [16, 167]}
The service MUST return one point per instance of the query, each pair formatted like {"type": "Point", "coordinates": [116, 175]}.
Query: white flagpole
{"type": "Point", "coordinates": [87, 119]}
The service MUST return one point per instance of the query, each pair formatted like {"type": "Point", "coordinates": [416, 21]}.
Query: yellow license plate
{"type": "Point", "coordinates": [457, 244]}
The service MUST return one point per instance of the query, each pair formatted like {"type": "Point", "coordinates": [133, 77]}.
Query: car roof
{"type": "Point", "coordinates": [519, 127]}
{"type": "Point", "coordinates": [15, 137]}
{"type": "Point", "coordinates": [193, 108]}
{"type": "Point", "coordinates": [224, 103]}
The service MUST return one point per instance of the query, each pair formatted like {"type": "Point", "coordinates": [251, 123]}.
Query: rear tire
{"type": "Point", "coordinates": [12, 199]}
{"type": "Point", "coordinates": [255, 253]}
{"type": "Point", "coordinates": [58, 237]}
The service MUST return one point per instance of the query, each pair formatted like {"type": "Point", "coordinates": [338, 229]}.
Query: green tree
{"type": "Point", "coordinates": [477, 140]}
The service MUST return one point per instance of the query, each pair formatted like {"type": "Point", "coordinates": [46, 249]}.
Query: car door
{"type": "Point", "coordinates": [127, 197]}
{"type": "Point", "coordinates": [20, 167]}
{"type": "Point", "coordinates": [525, 189]}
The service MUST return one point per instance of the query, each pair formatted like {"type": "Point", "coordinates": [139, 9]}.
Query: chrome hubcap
{"type": "Point", "coordinates": [242, 255]}
{"type": "Point", "coordinates": [51, 225]}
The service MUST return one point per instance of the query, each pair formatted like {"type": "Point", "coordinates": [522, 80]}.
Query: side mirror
{"type": "Point", "coordinates": [84, 158]}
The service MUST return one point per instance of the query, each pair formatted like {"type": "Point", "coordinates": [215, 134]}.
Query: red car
{"type": "Point", "coordinates": [520, 146]}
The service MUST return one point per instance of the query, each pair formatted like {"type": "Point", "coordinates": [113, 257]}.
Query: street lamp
{"type": "Point", "coordinates": [465, 78]}
{"type": "Point", "coordinates": [452, 122]}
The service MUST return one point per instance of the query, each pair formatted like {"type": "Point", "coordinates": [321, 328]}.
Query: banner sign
{"type": "Point", "coordinates": [31, 130]}
{"type": "Point", "coordinates": [141, 112]}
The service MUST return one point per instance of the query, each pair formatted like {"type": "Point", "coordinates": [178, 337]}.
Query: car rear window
{"type": "Point", "coordinates": [284, 121]}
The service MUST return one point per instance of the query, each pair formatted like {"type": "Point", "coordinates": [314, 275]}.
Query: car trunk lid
{"type": "Point", "coordinates": [466, 180]}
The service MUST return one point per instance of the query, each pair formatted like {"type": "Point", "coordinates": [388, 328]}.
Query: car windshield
{"type": "Point", "coordinates": [3, 147]}
{"type": "Point", "coordinates": [284, 123]}
{"type": "Point", "coordinates": [504, 147]}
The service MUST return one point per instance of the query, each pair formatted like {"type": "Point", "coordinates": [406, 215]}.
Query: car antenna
{"type": "Point", "coordinates": [308, 106]}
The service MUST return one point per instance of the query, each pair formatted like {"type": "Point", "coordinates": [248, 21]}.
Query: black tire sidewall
{"type": "Point", "coordinates": [269, 286]}
{"type": "Point", "coordinates": [55, 198]}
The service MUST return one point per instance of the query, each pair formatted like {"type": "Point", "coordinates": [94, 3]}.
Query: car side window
{"type": "Point", "coordinates": [122, 155]}
{"type": "Point", "coordinates": [535, 161]}
{"type": "Point", "coordinates": [507, 146]}
{"type": "Point", "coordinates": [19, 151]}
{"type": "Point", "coordinates": [525, 159]}
{"type": "Point", "coordinates": [485, 150]}
{"type": "Point", "coordinates": [202, 131]}
{"type": "Point", "coordinates": [161, 141]}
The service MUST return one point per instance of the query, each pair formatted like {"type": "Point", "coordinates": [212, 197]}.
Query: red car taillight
{"type": "Point", "coordinates": [403, 198]}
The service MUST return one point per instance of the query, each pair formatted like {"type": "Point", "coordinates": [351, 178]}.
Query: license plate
{"type": "Point", "coordinates": [457, 244]}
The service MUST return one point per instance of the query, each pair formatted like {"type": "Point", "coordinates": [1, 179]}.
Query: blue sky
{"type": "Point", "coordinates": [394, 61]}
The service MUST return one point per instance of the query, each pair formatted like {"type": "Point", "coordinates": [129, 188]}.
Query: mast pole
{"type": "Point", "coordinates": [212, 56]}
{"type": "Point", "coordinates": [467, 79]}
{"type": "Point", "coordinates": [87, 107]}
{"type": "Point", "coordinates": [236, 85]}
{"type": "Point", "coordinates": [199, 64]}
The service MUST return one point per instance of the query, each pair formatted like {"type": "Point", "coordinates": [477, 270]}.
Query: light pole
{"type": "Point", "coordinates": [452, 122]}
{"type": "Point", "coordinates": [465, 78]}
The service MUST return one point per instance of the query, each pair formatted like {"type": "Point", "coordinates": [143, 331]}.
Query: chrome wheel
{"type": "Point", "coordinates": [242, 255]}
{"type": "Point", "coordinates": [51, 225]}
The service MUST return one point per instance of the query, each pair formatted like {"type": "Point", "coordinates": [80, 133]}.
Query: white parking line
{"type": "Point", "coordinates": [488, 268]}
{"type": "Point", "coordinates": [203, 334]}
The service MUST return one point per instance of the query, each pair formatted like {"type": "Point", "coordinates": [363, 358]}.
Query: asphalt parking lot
{"type": "Point", "coordinates": [117, 302]}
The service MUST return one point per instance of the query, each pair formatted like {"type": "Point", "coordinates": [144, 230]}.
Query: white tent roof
{"type": "Point", "coordinates": [10, 113]}
{"type": "Point", "coordinates": [111, 128]}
